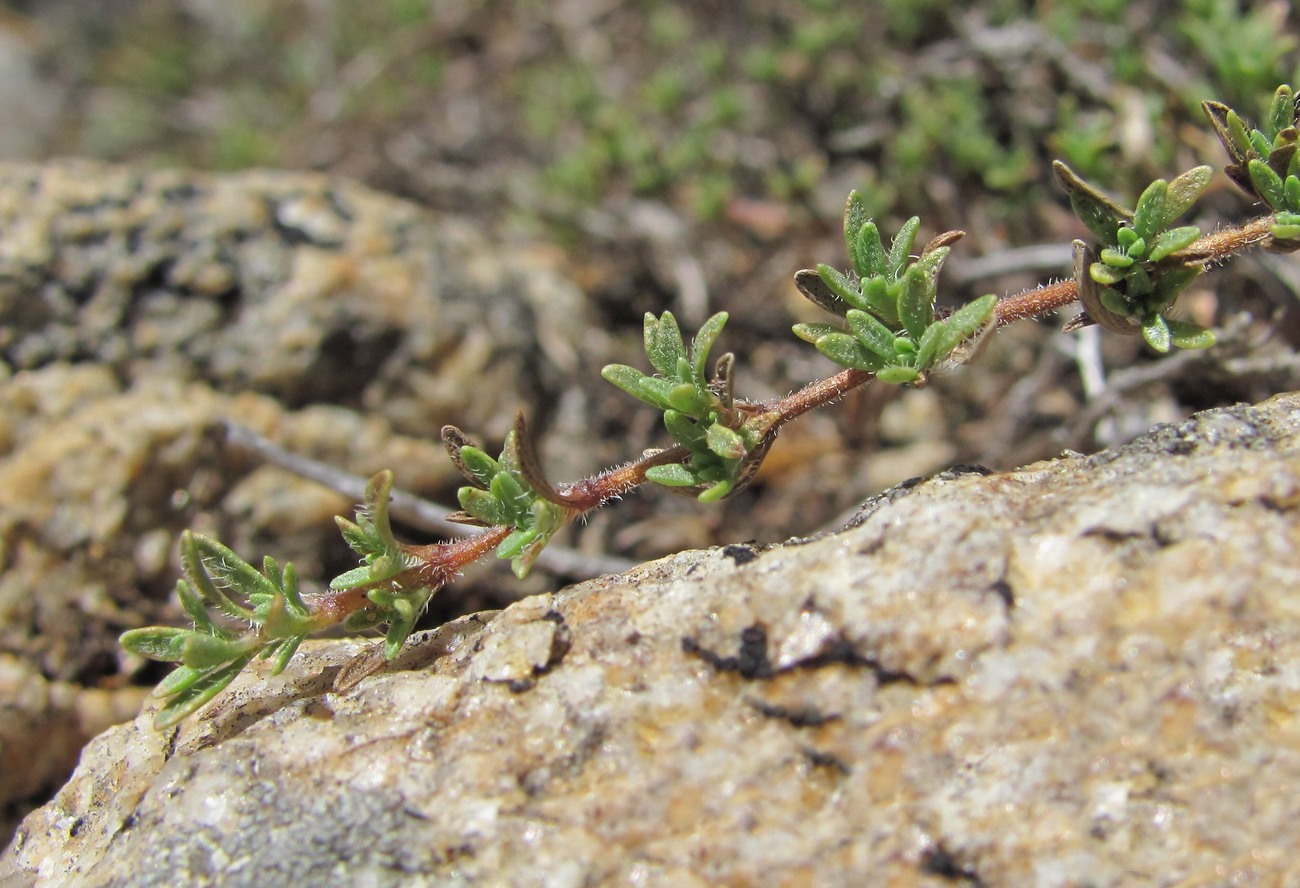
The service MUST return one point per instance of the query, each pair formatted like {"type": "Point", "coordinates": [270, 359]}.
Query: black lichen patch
{"type": "Point", "coordinates": [740, 554]}
{"type": "Point", "coordinates": [799, 716]}
{"type": "Point", "coordinates": [939, 861]}
{"type": "Point", "coordinates": [750, 661]}
{"type": "Point", "coordinates": [823, 759]}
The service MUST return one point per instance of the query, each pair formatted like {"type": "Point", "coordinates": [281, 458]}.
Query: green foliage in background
{"type": "Point", "coordinates": [680, 102]}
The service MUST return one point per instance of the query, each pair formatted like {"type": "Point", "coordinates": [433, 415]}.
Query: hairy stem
{"type": "Point", "coordinates": [440, 562]}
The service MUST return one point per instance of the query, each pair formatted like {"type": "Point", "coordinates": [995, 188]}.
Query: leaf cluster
{"type": "Point", "coordinates": [385, 565]}
{"type": "Point", "coordinates": [1265, 162]}
{"type": "Point", "coordinates": [1129, 283]}
{"type": "Point", "coordinates": [508, 492]}
{"type": "Point", "coordinates": [698, 410]}
{"type": "Point", "coordinates": [887, 301]}
{"type": "Point", "coordinates": [211, 654]}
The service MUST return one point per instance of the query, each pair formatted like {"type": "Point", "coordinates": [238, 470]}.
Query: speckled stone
{"type": "Point", "coordinates": [299, 286]}
{"type": "Point", "coordinates": [141, 309]}
{"type": "Point", "coordinates": [1084, 672]}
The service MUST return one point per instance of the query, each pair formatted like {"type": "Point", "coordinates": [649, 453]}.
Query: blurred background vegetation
{"type": "Point", "coordinates": [692, 155]}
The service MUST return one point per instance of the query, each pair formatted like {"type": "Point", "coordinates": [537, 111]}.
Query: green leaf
{"type": "Point", "coordinates": [1172, 241]}
{"type": "Point", "coordinates": [285, 653]}
{"type": "Point", "coordinates": [356, 538]}
{"type": "Point", "coordinates": [190, 698]}
{"type": "Point", "coordinates": [374, 515]}
{"type": "Point", "coordinates": [202, 651]}
{"type": "Point", "coordinates": [1098, 212]}
{"type": "Point", "coordinates": [645, 388]}
{"type": "Point", "coordinates": [684, 430]}
{"type": "Point", "coordinates": [812, 332]}
{"type": "Point", "coordinates": [513, 544]}
{"type": "Point", "coordinates": [1281, 112]}
{"type": "Point", "coordinates": [177, 680]}
{"type": "Point", "coordinates": [483, 506]}
{"type": "Point", "coordinates": [725, 442]}
{"type": "Point", "coordinates": [817, 291]}
{"type": "Point", "coordinates": [400, 625]}
{"type": "Point", "coordinates": [357, 576]}
{"type": "Point", "coordinates": [846, 351]}
{"type": "Point", "coordinates": [194, 606]}
{"type": "Point", "coordinates": [900, 249]}
{"type": "Point", "coordinates": [703, 342]}
{"type": "Point", "coordinates": [842, 285]}
{"type": "Point", "coordinates": [1260, 144]}
{"type": "Point", "coordinates": [293, 601]}
{"type": "Point", "coordinates": [932, 262]}
{"type": "Point", "coordinates": [1104, 274]}
{"type": "Point", "coordinates": [362, 620]}
{"type": "Point", "coordinates": [157, 642]}
{"type": "Point", "coordinates": [1291, 188]}
{"type": "Point", "coordinates": [512, 495]}
{"type": "Point", "coordinates": [916, 302]}
{"type": "Point", "coordinates": [1150, 211]}
{"type": "Point", "coordinates": [881, 299]}
{"type": "Point", "coordinates": [1229, 128]}
{"type": "Point", "coordinates": [687, 398]}
{"type": "Point", "coordinates": [663, 342]}
{"type": "Point", "coordinates": [868, 254]}
{"type": "Point", "coordinates": [1114, 302]}
{"type": "Point", "coordinates": [1137, 283]}
{"type": "Point", "coordinates": [674, 475]}
{"type": "Point", "coordinates": [1116, 259]}
{"type": "Point", "coordinates": [1188, 335]}
{"type": "Point", "coordinates": [872, 334]}
{"type": "Point", "coordinates": [286, 613]}
{"type": "Point", "coordinates": [198, 553]}
{"type": "Point", "coordinates": [855, 216]}
{"type": "Point", "coordinates": [1155, 330]}
{"type": "Point", "coordinates": [483, 467]}
{"type": "Point", "coordinates": [1184, 191]}
{"type": "Point", "coordinates": [897, 375]}
{"type": "Point", "coordinates": [716, 491]}
{"type": "Point", "coordinates": [1268, 184]}
{"type": "Point", "coordinates": [523, 562]}
{"type": "Point", "coordinates": [944, 336]}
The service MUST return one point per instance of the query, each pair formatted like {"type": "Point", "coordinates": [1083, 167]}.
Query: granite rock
{"type": "Point", "coordinates": [140, 311]}
{"type": "Point", "coordinates": [1086, 671]}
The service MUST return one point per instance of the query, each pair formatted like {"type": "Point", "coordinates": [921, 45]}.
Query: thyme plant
{"type": "Point", "coordinates": [886, 329]}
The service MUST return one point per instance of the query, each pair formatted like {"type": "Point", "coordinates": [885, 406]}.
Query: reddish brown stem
{"type": "Point", "coordinates": [1039, 300]}
{"type": "Point", "coordinates": [330, 608]}
{"type": "Point", "coordinates": [1224, 243]}
{"type": "Point", "coordinates": [439, 564]}
{"type": "Point", "coordinates": [442, 561]}
{"type": "Point", "coordinates": [592, 493]}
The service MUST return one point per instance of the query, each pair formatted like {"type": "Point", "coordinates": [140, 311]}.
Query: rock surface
{"type": "Point", "coordinates": [1086, 671]}
{"type": "Point", "coordinates": [139, 311]}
